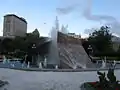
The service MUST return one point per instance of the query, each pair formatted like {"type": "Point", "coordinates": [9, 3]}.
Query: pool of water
{"type": "Point", "coordinates": [12, 64]}
{"type": "Point", "coordinates": [19, 64]}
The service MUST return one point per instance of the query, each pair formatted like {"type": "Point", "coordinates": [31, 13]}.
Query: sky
{"type": "Point", "coordinates": [41, 14]}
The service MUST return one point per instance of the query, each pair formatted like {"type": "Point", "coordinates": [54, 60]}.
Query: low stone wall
{"type": "Point", "coordinates": [61, 70]}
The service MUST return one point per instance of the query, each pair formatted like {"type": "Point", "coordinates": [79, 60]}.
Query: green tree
{"type": "Point", "coordinates": [23, 44]}
{"type": "Point", "coordinates": [6, 45]}
{"type": "Point", "coordinates": [18, 43]}
{"type": "Point", "coordinates": [36, 33]}
{"type": "Point", "coordinates": [101, 39]}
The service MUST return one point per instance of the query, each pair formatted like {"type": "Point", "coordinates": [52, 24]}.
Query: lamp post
{"type": "Point", "coordinates": [33, 51]}
{"type": "Point", "coordinates": [33, 46]}
{"type": "Point", "coordinates": [90, 50]}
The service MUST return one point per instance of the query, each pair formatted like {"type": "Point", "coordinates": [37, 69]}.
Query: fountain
{"type": "Point", "coordinates": [103, 63]}
{"type": "Point", "coordinates": [4, 60]}
{"type": "Point", "coordinates": [40, 65]}
{"type": "Point", "coordinates": [53, 55]}
{"type": "Point", "coordinates": [26, 57]}
{"type": "Point", "coordinates": [23, 64]}
{"type": "Point", "coordinates": [72, 52]}
{"type": "Point", "coordinates": [75, 67]}
{"type": "Point", "coordinates": [114, 63]}
{"type": "Point", "coordinates": [28, 65]}
{"type": "Point", "coordinates": [45, 62]}
{"type": "Point", "coordinates": [56, 67]}
{"type": "Point", "coordinates": [97, 62]}
{"type": "Point", "coordinates": [84, 67]}
{"type": "Point", "coordinates": [13, 65]}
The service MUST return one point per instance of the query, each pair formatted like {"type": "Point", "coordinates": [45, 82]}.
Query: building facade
{"type": "Point", "coordinates": [14, 26]}
{"type": "Point", "coordinates": [74, 35]}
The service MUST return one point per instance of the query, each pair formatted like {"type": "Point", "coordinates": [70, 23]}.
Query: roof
{"type": "Point", "coordinates": [16, 17]}
{"type": "Point", "coordinates": [71, 33]}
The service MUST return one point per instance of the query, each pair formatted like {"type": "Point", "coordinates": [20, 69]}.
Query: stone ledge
{"type": "Point", "coordinates": [61, 70]}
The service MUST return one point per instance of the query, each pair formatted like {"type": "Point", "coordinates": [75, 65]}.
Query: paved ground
{"type": "Point", "coordinates": [26, 80]}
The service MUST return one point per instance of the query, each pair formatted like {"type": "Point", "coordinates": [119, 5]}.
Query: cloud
{"type": "Point", "coordinates": [68, 6]}
{"type": "Point", "coordinates": [87, 13]}
{"type": "Point", "coordinates": [65, 11]}
{"type": "Point", "coordinates": [110, 20]}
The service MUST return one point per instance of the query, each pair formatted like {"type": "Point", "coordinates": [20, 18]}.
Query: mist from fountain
{"type": "Point", "coordinates": [75, 67]}
{"type": "Point", "coordinates": [56, 67]}
{"type": "Point", "coordinates": [53, 57]}
{"type": "Point", "coordinates": [28, 65]}
{"type": "Point", "coordinates": [22, 65]}
{"type": "Point", "coordinates": [13, 65]}
{"type": "Point", "coordinates": [4, 60]}
{"type": "Point", "coordinates": [40, 65]}
{"type": "Point", "coordinates": [25, 57]}
{"type": "Point", "coordinates": [114, 63]}
{"type": "Point", "coordinates": [45, 62]}
{"type": "Point", "coordinates": [103, 63]}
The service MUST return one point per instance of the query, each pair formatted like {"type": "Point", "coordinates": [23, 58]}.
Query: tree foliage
{"type": "Point", "coordinates": [20, 43]}
{"type": "Point", "coordinates": [101, 39]}
{"type": "Point", "coordinates": [36, 33]}
{"type": "Point", "coordinates": [6, 45]}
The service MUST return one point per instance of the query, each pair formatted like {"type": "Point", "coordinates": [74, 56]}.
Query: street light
{"type": "Point", "coordinates": [90, 49]}
{"type": "Point", "coordinates": [33, 46]}
{"type": "Point", "coordinates": [33, 50]}
{"type": "Point", "coordinates": [90, 52]}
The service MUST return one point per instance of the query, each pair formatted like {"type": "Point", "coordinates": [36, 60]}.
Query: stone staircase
{"type": "Point", "coordinates": [74, 56]}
